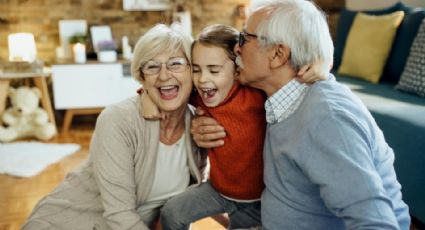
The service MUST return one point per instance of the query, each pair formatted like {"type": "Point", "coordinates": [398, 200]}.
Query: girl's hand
{"type": "Point", "coordinates": [315, 72]}
{"type": "Point", "coordinates": [206, 131]}
{"type": "Point", "coordinates": [149, 110]}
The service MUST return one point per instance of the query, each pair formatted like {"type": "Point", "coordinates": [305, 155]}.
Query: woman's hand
{"type": "Point", "coordinates": [315, 72]}
{"type": "Point", "coordinates": [206, 131]}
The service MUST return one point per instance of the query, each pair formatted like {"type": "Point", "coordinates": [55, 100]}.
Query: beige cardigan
{"type": "Point", "coordinates": [105, 191]}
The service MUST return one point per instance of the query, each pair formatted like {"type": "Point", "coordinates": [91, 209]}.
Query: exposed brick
{"type": "Point", "coordinates": [41, 18]}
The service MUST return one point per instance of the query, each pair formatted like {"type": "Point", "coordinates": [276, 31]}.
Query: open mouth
{"type": "Point", "coordinates": [168, 92]}
{"type": "Point", "coordinates": [207, 93]}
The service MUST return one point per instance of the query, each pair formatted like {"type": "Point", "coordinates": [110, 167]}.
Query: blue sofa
{"type": "Point", "coordinates": [400, 115]}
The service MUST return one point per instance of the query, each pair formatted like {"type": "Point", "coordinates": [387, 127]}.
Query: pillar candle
{"type": "Point", "coordinates": [79, 51]}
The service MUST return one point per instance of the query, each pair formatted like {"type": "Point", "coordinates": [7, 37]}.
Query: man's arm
{"type": "Point", "coordinates": [206, 131]}
{"type": "Point", "coordinates": [341, 161]}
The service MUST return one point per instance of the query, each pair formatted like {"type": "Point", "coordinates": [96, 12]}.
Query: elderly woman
{"type": "Point", "coordinates": [134, 164]}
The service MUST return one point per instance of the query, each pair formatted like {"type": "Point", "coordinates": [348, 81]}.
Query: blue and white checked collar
{"type": "Point", "coordinates": [285, 101]}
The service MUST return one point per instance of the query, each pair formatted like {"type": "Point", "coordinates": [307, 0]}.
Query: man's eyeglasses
{"type": "Point", "coordinates": [243, 37]}
{"type": "Point", "coordinates": [175, 65]}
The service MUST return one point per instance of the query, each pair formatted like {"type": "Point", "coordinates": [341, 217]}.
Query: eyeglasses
{"type": "Point", "coordinates": [174, 64]}
{"type": "Point", "coordinates": [243, 37]}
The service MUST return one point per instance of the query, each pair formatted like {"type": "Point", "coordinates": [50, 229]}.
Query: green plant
{"type": "Point", "coordinates": [78, 38]}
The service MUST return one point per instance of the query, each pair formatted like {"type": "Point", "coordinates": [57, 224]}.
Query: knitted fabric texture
{"type": "Point", "coordinates": [237, 167]}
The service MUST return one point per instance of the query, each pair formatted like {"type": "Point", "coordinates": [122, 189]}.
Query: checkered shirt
{"type": "Point", "coordinates": [285, 101]}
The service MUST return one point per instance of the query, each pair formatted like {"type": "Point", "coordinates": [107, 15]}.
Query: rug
{"type": "Point", "coordinates": [26, 159]}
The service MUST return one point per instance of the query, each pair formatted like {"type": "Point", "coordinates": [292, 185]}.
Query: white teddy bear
{"type": "Point", "coordinates": [25, 118]}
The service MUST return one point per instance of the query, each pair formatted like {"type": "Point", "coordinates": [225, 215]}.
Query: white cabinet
{"type": "Point", "coordinates": [91, 85]}
{"type": "Point", "coordinates": [87, 88]}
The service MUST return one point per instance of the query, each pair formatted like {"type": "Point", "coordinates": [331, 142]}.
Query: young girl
{"type": "Point", "coordinates": [236, 168]}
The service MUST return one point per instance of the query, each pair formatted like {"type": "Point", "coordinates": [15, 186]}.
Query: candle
{"type": "Point", "coordinates": [126, 48]}
{"type": "Point", "coordinates": [60, 53]}
{"type": "Point", "coordinates": [124, 41]}
{"type": "Point", "coordinates": [79, 51]}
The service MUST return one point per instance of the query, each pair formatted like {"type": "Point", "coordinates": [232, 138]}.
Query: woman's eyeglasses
{"type": "Point", "coordinates": [243, 37]}
{"type": "Point", "coordinates": [175, 65]}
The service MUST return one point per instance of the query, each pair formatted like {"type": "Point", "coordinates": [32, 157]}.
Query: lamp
{"type": "Point", "coordinates": [22, 47]}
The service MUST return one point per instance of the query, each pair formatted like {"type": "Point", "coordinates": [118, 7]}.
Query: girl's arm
{"type": "Point", "coordinates": [315, 72]}
{"type": "Point", "coordinates": [149, 110]}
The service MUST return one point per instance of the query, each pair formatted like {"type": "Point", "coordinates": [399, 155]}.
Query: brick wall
{"type": "Point", "coordinates": [41, 18]}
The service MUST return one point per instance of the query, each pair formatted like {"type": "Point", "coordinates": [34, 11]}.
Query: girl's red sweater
{"type": "Point", "coordinates": [237, 167]}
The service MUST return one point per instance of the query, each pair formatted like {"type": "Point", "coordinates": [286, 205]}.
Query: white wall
{"type": "Point", "coordinates": [379, 4]}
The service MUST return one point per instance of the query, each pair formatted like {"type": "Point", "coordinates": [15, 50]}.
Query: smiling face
{"type": "Point", "coordinates": [168, 89]}
{"type": "Point", "coordinates": [213, 73]}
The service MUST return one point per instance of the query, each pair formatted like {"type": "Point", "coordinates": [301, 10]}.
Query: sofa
{"type": "Point", "coordinates": [400, 114]}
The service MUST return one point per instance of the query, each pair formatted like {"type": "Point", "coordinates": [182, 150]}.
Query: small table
{"type": "Point", "coordinates": [39, 80]}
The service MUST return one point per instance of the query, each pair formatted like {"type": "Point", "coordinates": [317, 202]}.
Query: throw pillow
{"type": "Point", "coordinates": [346, 19]}
{"type": "Point", "coordinates": [412, 79]}
{"type": "Point", "coordinates": [368, 45]}
{"type": "Point", "coordinates": [402, 43]}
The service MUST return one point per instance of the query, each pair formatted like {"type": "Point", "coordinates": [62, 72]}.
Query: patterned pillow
{"type": "Point", "coordinates": [412, 79]}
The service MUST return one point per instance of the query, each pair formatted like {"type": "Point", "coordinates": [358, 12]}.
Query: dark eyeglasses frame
{"type": "Point", "coordinates": [242, 37]}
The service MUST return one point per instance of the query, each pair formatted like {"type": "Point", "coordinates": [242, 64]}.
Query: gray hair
{"type": "Point", "coordinates": [159, 39]}
{"type": "Point", "coordinates": [297, 24]}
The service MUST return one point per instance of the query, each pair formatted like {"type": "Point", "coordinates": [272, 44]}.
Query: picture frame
{"type": "Point", "coordinates": [146, 5]}
{"type": "Point", "coordinates": [67, 29]}
{"type": "Point", "coordinates": [100, 33]}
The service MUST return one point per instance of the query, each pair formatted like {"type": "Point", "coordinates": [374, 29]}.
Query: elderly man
{"type": "Point", "coordinates": [327, 165]}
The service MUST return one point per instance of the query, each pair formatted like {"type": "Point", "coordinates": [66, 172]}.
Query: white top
{"type": "Point", "coordinates": [171, 175]}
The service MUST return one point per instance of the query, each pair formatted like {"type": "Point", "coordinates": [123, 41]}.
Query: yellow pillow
{"type": "Point", "coordinates": [368, 45]}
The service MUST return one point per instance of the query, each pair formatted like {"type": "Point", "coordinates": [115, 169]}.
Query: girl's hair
{"type": "Point", "coordinates": [219, 35]}
{"type": "Point", "coordinates": [159, 39]}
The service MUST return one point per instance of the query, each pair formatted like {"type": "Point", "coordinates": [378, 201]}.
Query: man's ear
{"type": "Point", "coordinates": [279, 56]}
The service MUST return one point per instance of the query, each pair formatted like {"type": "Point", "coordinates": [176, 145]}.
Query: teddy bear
{"type": "Point", "coordinates": [25, 119]}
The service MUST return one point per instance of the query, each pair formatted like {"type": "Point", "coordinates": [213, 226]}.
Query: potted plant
{"type": "Point", "coordinates": [107, 51]}
{"type": "Point", "coordinates": [78, 38]}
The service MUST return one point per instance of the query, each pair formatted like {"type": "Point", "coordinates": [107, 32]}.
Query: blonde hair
{"type": "Point", "coordinates": [159, 39]}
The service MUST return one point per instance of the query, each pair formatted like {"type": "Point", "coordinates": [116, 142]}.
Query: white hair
{"type": "Point", "coordinates": [159, 39]}
{"type": "Point", "coordinates": [297, 24]}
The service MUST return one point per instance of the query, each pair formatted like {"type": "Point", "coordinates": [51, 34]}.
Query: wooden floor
{"type": "Point", "coordinates": [19, 195]}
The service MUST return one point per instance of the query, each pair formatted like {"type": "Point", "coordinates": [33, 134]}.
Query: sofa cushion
{"type": "Point", "coordinates": [368, 45]}
{"type": "Point", "coordinates": [413, 78]}
{"type": "Point", "coordinates": [402, 43]}
{"type": "Point", "coordinates": [345, 20]}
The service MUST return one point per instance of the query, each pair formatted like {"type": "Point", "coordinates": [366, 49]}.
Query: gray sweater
{"type": "Point", "coordinates": [327, 166]}
{"type": "Point", "coordinates": [105, 191]}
